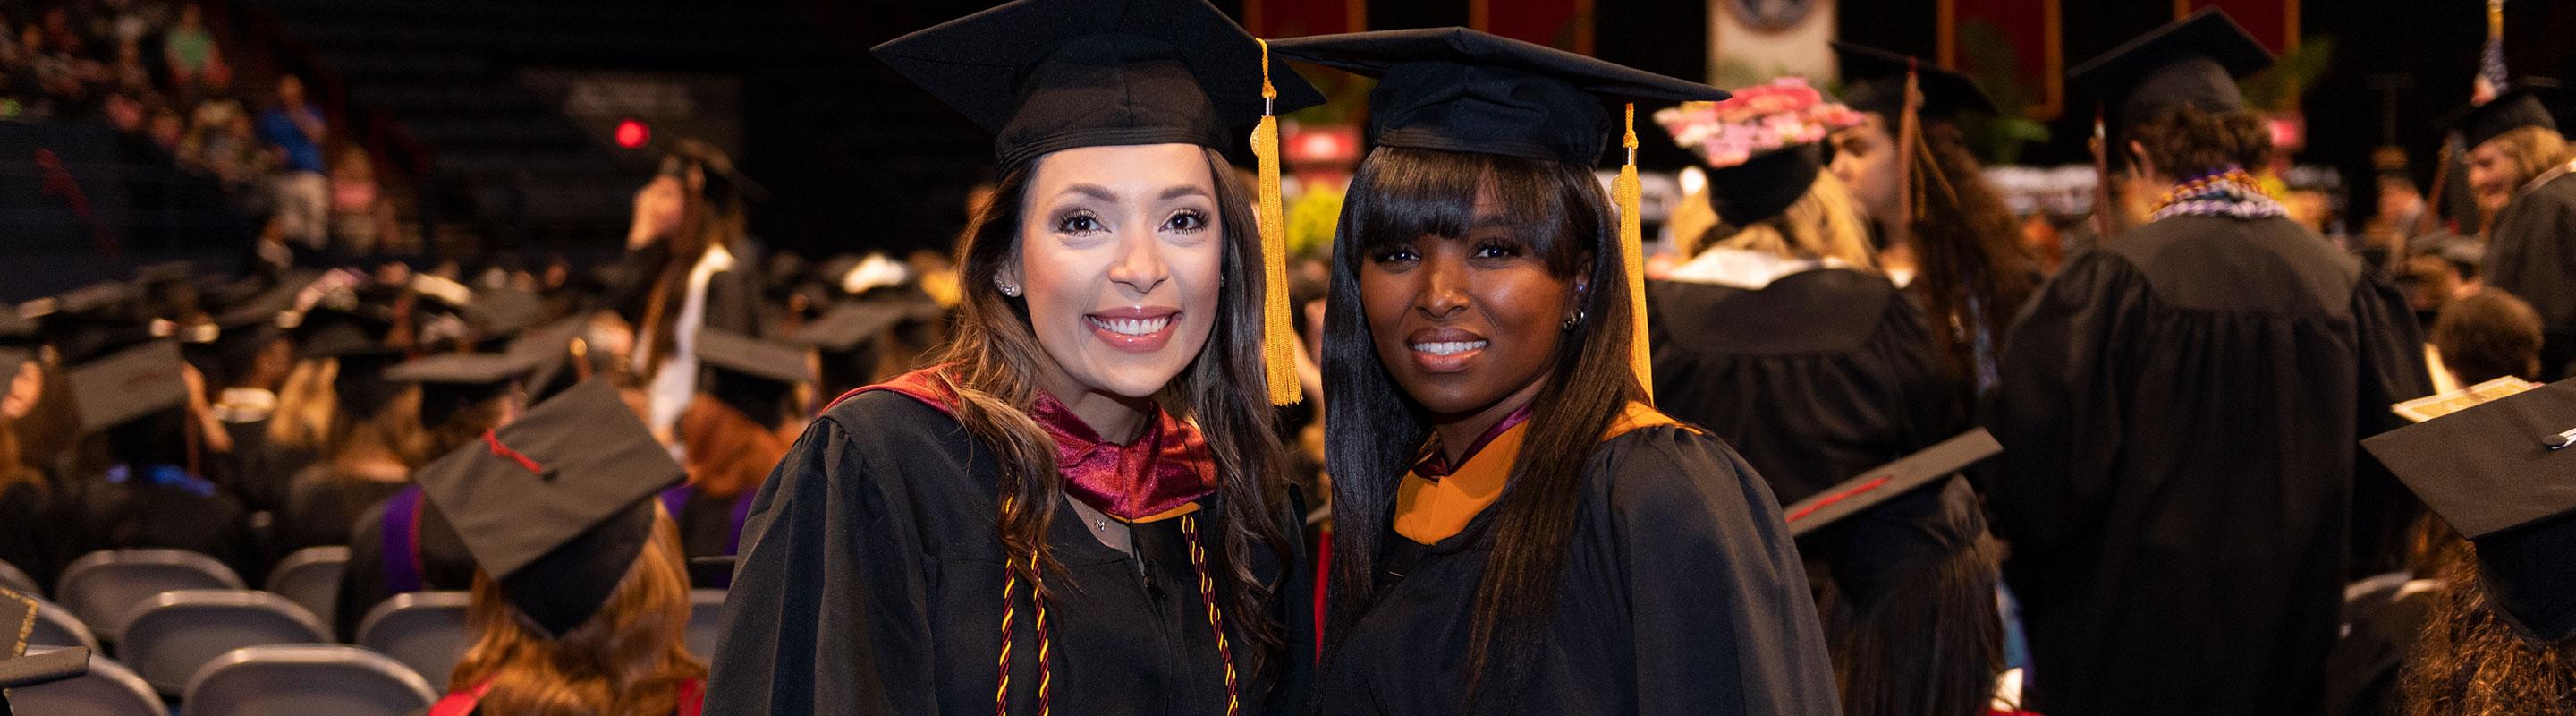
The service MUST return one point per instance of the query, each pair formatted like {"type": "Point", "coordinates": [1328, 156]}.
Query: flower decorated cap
{"type": "Point", "coordinates": [1763, 146]}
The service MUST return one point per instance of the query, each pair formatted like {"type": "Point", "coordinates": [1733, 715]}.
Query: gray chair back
{"type": "Point", "coordinates": [311, 577]}
{"type": "Point", "coordinates": [424, 630]}
{"type": "Point", "coordinates": [16, 580]}
{"type": "Point", "coordinates": [174, 633]}
{"type": "Point", "coordinates": [102, 587]}
{"type": "Point", "coordinates": [109, 689]}
{"type": "Point", "coordinates": [706, 620]}
{"type": "Point", "coordinates": [57, 628]}
{"type": "Point", "coordinates": [306, 679]}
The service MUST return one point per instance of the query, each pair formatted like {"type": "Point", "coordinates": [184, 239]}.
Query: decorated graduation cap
{"type": "Point", "coordinates": [2193, 62]}
{"type": "Point", "coordinates": [18, 669]}
{"type": "Point", "coordinates": [1868, 490]}
{"type": "Point", "coordinates": [2516, 107]}
{"type": "Point", "coordinates": [1050, 75]}
{"type": "Point", "coordinates": [136, 382]}
{"type": "Point", "coordinates": [557, 505]}
{"type": "Point", "coordinates": [2502, 474]}
{"type": "Point", "coordinates": [1874, 81]}
{"type": "Point", "coordinates": [451, 382]}
{"type": "Point", "coordinates": [1460, 90]}
{"type": "Point", "coordinates": [754, 376]}
{"type": "Point", "coordinates": [1763, 146]}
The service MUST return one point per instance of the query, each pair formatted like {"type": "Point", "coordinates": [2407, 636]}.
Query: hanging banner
{"type": "Point", "coordinates": [2275, 23]}
{"type": "Point", "coordinates": [1300, 18]}
{"type": "Point", "coordinates": [2029, 28]}
{"type": "Point", "coordinates": [1561, 24]}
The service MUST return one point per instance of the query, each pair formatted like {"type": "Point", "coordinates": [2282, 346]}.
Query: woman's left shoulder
{"type": "Point", "coordinates": [1651, 455]}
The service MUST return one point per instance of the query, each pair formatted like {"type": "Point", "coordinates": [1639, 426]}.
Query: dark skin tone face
{"type": "Point", "coordinates": [1468, 326]}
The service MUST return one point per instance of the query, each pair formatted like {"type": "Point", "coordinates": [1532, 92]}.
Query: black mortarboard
{"type": "Point", "coordinates": [1889, 481]}
{"type": "Point", "coordinates": [2501, 474]}
{"type": "Point", "coordinates": [90, 321]}
{"type": "Point", "coordinates": [1764, 185]}
{"type": "Point", "coordinates": [503, 313]}
{"type": "Point", "coordinates": [2193, 61]}
{"type": "Point", "coordinates": [129, 384]}
{"type": "Point", "coordinates": [17, 668]}
{"type": "Point", "coordinates": [1874, 81]}
{"type": "Point", "coordinates": [850, 324]}
{"type": "Point", "coordinates": [1905, 533]}
{"type": "Point", "coordinates": [343, 325]}
{"type": "Point", "coordinates": [1048, 75]}
{"type": "Point", "coordinates": [754, 376]}
{"type": "Point", "coordinates": [164, 273]}
{"type": "Point", "coordinates": [1460, 90]}
{"type": "Point", "coordinates": [557, 505]}
{"type": "Point", "coordinates": [453, 381]}
{"type": "Point", "coordinates": [546, 350]}
{"type": "Point", "coordinates": [2517, 107]}
{"type": "Point", "coordinates": [16, 330]}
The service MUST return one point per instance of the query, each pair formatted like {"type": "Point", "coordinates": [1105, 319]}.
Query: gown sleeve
{"type": "Point", "coordinates": [1292, 605]}
{"type": "Point", "coordinates": [828, 611]}
{"type": "Point", "coordinates": [1716, 594]}
{"type": "Point", "coordinates": [2391, 350]}
{"type": "Point", "coordinates": [2057, 404]}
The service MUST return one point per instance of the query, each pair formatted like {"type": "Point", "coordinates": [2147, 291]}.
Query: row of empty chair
{"type": "Point", "coordinates": [273, 679]}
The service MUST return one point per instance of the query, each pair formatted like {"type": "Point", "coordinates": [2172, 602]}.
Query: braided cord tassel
{"type": "Point", "coordinates": [1046, 647]}
{"type": "Point", "coordinates": [1002, 693]}
{"type": "Point", "coordinates": [1632, 250]}
{"type": "Point", "coordinates": [1215, 614]}
{"type": "Point", "coordinates": [1278, 350]}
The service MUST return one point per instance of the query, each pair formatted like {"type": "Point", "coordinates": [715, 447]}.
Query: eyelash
{"type": "Point", "coordinates": [1065, 225]}
{"type": "Point", "coordinates": [1197, 221]}
{"type": "Point", "coordinates": [1500, 250]}
{"type": "Point", "coordinates": [1399, 254]}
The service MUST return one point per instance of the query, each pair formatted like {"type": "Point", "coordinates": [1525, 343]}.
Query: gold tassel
{"type": "Point", "coordinates": [1278, 336]}
{"type": "Point", "coordinates": [1909, 140]}
{"type": "Point", "coordinates": [1632, 251]}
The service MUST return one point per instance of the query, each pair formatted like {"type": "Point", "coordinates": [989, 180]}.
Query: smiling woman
{"type": "Point", "coordinates": [1521, 530]}
{"type": "Point", "coordinates": [1068, 511]}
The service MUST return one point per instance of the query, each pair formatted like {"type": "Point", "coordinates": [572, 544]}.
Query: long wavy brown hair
{"type": "Point", "coordinates": [2471, 662]}
{"type": "Point", "coordinates": [306, 405]}
{"type": "Point", "coordinates": [994, 360]}
{"type": "Point", "coordinates": [709, 217]}
{"type": "Point", "coordinates": [1969, 251]}
{"type": "Point", "coordinates": [629, 659]}
{"type": "Point", "coordinates": [728, 452]}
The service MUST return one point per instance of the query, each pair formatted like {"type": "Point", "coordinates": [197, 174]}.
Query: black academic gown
{"type": "Point", "coordinates": [189, 514]}
{"type": "Point", "coordinates": [322, 505]}
{"type": "Point", "coordinates": [1682, 595]}
{"type": "Point", "coordinates": [870, 581]}
{"type": "Point", "coordinates": [1814, 378]}
{"type": "Point", "coordinates": [2531, 253]}
{"type": "Point", "coordinates": [431, 547]}
{"type": "Point", "coordinates": [2180, 411]}
{"type": "Point", "coordinates": [30, 535]}
{"type": "Point", "coordinates": [257, 470]}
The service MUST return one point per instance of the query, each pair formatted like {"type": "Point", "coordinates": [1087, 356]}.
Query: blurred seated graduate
{"type": "Point", "coordinates": [404, 544]}
{"type": "Point", "coordinates": [749, 408]}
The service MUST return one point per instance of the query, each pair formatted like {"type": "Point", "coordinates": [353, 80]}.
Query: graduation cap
{"type": "Point", "coordinates": [1460, 90]}
{"type": "Point", "coordinates": [1763, 147]}
{"type": "Point", "coordinates": [2517, 107]}
{"type": "Point", "coordinates": [90, 321]}
{"type": "Point", "coordinates": [1874, 81]}
{"type": "Point", "coordinates": [1049, 75]}
{"type": "Point", "coordinates": [850, 325]}
{"type": "Point", "coordinates": [754, 376]}
{"type": "Point", "coordinates": [18, 669]}
{"type": "Point", "coordinates": [546, 350]}
{"type": "Point", "coordinates": [2502, 475]}
{"type": "Point", "coordinates": [343, 327]}
{"type": "Point", "coordinates": [133, 383]}
{"type": "Point", "coordinates": [14, 330]}
{"type": "Point", "coordinates": [2191, 62]}
{"type": "Point", "coordinates": [450, 382]}
{"type": "Point", "coordinates": [502, 314]}
{"type": "Point", "coordinates": [1886, 482]}
{"type": "Point", "coordinates": [557, 505]}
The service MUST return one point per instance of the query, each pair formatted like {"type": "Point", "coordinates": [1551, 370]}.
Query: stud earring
{"type": "Point", "coordinates": [1008, 289]}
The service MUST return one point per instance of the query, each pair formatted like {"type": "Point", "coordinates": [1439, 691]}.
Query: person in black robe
{"type": "Point", "coordinates": [1781, 338]}
{"type": "Point", "coordinates": [733, 436]}
{"type": "Point", "coordinates": [403, 544]}
{"type": "Point", "coordinates": [2180, 408]}
{"type": "Point", "coordinates": [135, 486]}
{"type": "Point", "coordinates": [1517, 529]}
{"type": "Point", "coordinates": [29, 502]}
{"type": "Point", "coordinates": [2531, 245]}
{"type": "Point", "coordinates": [689, 266]}
{"type": "Point", "coordinates": [371, 427]}
{"type": "Point", "coordinates": [961, 540]}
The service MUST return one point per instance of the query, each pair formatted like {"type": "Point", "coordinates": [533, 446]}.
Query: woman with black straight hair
{"type": "Point", "coordinates": [1521, 530]}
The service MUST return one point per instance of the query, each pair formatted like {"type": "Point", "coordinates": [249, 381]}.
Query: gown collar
{"type": "Point", "coordinates": [1434, 507]}
{"type": "Point", "coordinates": [1160, 475]}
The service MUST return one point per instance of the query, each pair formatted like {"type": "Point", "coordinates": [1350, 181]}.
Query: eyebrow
{"type": "Point", "coordinates": [1091, 190]}
{"type": "Point", "coordinates": [1182, 191]}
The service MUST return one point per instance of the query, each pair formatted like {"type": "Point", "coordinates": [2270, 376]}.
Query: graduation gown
{"type": "Point", "coordinates": [2531, 253]}
{"type": "Point", "coordinates": [401, 545]}
{"type": "Point", "coordinates": [30, 538]}
{"type": "Point", "coordinates": [172, 511]}
{"type": "Point", "coordinates": [2180, 411]}
{"type": "Point", "coordinates": [870, 581]}
{"type": "Point", "coordinates": [322, 505]}
{"type": "Point", "coordinates": [709, 526]}
{"type": "Point", "coordinates": [1682, 595]}
{"type": "Point", "coordinates": [1815, 377]}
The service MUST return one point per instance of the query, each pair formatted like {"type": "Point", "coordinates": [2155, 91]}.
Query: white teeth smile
{"type": "Point", "coordinates": [1448, 348]}
{"type": "Point", "coordinates": [1131, 326]}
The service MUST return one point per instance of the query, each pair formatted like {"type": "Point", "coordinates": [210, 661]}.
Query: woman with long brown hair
{"type": "Point", "coordinates": [403, 544]}
{"type": "Point", "coordinates": [1943, 234]}
{"type": "Point", "coordinates": [581, 595]}
{"type": "Point", "coordinates": [1070, 510]}
{"type": "Point", "coordinates": [689, 266]}
{"type": "Point", "coordinates": [1518, 530]}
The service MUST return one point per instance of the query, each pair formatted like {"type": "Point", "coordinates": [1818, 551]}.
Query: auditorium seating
{"type": "Point", "coordinates": [109, 689]}
{"type": "Point", "coordinates": [311, 577]}
{"type": "Point", "coordinates": [56, 627]}
{"type": "Point", "coordinates": [14, 579]}
{"type": "Point", "coordinates": [423, 630]}
{"type": "Point", "coordinates": [174, 633]}
{"type": "Point", "coordinates": [102, 587]}
{"type": "Point", "coordinates": [706, 620]}
{"type": "Point", "coordinates": [306, 679]}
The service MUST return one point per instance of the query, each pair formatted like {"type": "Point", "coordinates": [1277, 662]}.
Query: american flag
{"type": "Point", "coordinates": [2491, 75]}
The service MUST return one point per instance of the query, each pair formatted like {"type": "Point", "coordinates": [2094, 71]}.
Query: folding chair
{"type": "Point", "coordinates": [109, 689]}
{"type": "Point", "coordinates": [172, 634]}
{"type": "Point", "coordinates": [57, 628]}
{"type": "Point", "coordinates": [102, 587]}
{"type": "Point", "coordinates": [424, 630]}
{"type": "Point", "coordinates": [706, 621]}
{"type": "Point", "coordinates": [311, 577]}
{"type": "Point", "coordinates": [306, 679]}
{"type": "Point", "coordinates": [16, 580]}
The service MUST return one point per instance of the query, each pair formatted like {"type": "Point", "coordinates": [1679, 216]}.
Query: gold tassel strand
{"type": "Point", "coordinates": [1278, 343]}
{"type": "Point", "coordinates": [1632, 250]}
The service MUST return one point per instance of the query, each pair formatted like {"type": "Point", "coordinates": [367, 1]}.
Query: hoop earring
{"type": "Point", "coordinates": [1574, 320]}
